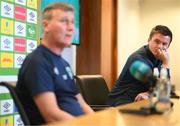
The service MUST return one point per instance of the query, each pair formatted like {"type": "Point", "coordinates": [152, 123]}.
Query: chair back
{"type": "Point", "coordinates": [11, 110]}
{"type": "Point", "coordinates": [93, 88]}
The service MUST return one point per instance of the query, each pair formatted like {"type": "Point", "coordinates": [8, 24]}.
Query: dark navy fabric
{"type": "Point", "coordinates": [127, 87]}
{"type": "Point", "coordinates": [44, 71]}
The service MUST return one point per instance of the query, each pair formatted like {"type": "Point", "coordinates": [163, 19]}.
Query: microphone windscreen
{"type": "Point", "coordinates": [140, 71]}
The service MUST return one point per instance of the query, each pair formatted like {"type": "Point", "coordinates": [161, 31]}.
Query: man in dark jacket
{"type": "Point", "coordinates": [127, 89]}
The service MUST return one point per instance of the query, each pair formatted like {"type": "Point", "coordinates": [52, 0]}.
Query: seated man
{"type": "Point", "coordinates": [127, 89]}
{"type": "Point", "coordinates": [46, 83]}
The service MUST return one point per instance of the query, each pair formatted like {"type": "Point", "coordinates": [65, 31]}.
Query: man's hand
{"type": "Point", "coordinates": [48, 106]}
{"type": "Point", "coordinates": [163, 55]}
{"type": "Point", "coordinates": [142, 96]}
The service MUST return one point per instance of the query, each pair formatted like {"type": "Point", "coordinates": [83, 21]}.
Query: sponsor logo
{"type": "Point", "coordinates": [6, 60]}
{"type": "Point", "coordinates": [7, 121]}
{"type": "Point", "coordinates": [69, 71]}
{"type": "Point", "coordinates": [18, 121]}
{"type": "Point", "coordinates": [20, 45]}
{"type": "Point", "coordinates": [20, 13]}
{"type": "Point", "coordinates": [7, 10]}
{"type": "Point", "coordinates": [6, 106]}
{"type": "Point", "coordinates": [32, 4]}
{"type": "Point", "coordinates": [31, 31]}
{"type": "Point", "coordinates": [19, 58]}
{"type": "Point", "coordinates": [7, 43]}
{"type": "Point", "coordinates": [31, 16]}
{"type": "Point", "coordinates": [31, 45]}
{"type": "Point", "coordinates": [20, 29]}
{"type": "Point", "coordinates": [22, 2]}
{"type": "Point", "coordinates": [56, 71]}
{"type": "Point", "coordinates": [7, 26]}
{"type": "Point", "coordinates": [64, 76]}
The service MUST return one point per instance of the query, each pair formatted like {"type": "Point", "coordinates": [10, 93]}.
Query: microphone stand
{"type": "Point", "coordinates": [159, 100]}
{"type": "Point", "coordinates": [160, 90]}
{"type": "Point", "coordinates": [151, 108]}
{"type": "Point", "coordinates": [155, 102]}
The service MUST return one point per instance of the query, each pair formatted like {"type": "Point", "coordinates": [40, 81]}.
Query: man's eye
{"type": "Point", "coordinates": [64, 20]}
{"type": "Point", "coordinates": [157, 41]}
{"type": "Point", "coordinates": [165, 44]}
{"type": "Point", "coordinates": [72, 21]}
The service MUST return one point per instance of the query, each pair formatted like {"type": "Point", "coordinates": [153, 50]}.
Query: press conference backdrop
{"type": "Point", "coordinates": [18, 34]}
{"type": "Point", "coordinates": [9, 114]}
{"type": "Point", "coordinates": [76, 5]}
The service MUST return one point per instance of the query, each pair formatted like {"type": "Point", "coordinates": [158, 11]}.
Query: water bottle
{"type": "Point", "coordinates": [163, 91]}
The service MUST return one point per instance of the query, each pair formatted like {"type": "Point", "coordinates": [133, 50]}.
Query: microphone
{"type": "Point", "coordinates": [142, 72]}
{"type": "Point", "coordinates": [159, 86]}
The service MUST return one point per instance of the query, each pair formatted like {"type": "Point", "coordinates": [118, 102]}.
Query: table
{"type": "Point", "coordinates": [112, 117]}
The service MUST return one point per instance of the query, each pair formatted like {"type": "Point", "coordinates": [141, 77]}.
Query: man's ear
{"type": "Point", "coordinates": [45, 24]}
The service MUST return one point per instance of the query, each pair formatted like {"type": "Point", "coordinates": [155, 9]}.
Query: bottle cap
{"type": "Point", "coordinates": [163, 73]}
{"type": "Point", "coordinates": [156, 72]}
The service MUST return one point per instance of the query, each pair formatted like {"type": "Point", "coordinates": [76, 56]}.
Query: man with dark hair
{"type": "Point", "coordinates": [46, 84]}
{"type": "Point", "coordinates": [127, 89]}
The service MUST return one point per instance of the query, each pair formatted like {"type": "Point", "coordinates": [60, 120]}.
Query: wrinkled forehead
{"type": "Point", "coordinates": [60, 11]}
{"type": "Point", "coordinates": [57, 12]}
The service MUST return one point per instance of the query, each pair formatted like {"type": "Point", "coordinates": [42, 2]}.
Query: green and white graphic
{"type": "Point", "coordinates": [32, 31]}
{"type": "Point", "coordinates": [18, 35]}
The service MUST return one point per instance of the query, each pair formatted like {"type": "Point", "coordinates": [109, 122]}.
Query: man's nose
{"type": "Point", "coordinates": [70, 26]}
{"type": "Point", "coordinates": [160, 46]}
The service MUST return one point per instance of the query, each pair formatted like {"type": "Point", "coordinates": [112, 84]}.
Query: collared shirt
{"type": "Point", "coordinates": [126, 88]}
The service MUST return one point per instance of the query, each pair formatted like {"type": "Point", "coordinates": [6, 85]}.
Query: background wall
{"type": "Point", "coordinates": [135, 20]}
{"type": "Point", "coordinates": [128, 30]}
{"type": "Point", "coordinates": [70, 55]}
{"type": "Point", "coordinates": [97, 52]}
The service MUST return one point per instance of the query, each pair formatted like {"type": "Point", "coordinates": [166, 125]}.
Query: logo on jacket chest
{"type": "Point", "coordinates": [68, 72]}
